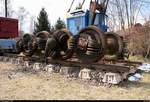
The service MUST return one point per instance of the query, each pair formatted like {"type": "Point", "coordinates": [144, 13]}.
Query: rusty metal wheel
{"type": "Point", "coordinates": [51, 49]}
{"type": "Point", "coordinates": [41, 39]}
{"type": "Point", "coordinates": [26, 45]}
{"type": "Point", "coordinates": [43, 34]}
{"type": "Point", "coordinates": [61, 37]}
{"type": "Point", "coordinates": [27, 37]}
{"type": "Point", "coordinates": [19, 46]}
{"type": "Point", "coordinates": [114, 44]}
{"type": "Point", "coordinates": [90, 45]}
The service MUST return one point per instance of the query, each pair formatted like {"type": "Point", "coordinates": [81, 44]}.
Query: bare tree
{"type": "Point", "coordinates": [32, 22]}
{"type": "Point", "coordinates": [8, 8]}
{"type": "Point", "coordinates": [1, 10]}
{"type": "Point", "coordinates": [116, 9]}
{"type": "Point", "coordinates": [125, 12]}
{"type": "Point", "coordinates": [22, 14]}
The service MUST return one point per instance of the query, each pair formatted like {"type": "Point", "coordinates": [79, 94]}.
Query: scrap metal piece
{"type": "Point", "coordinates": [133, 79]}
{"type": "Point", "coordinates": [139, 76]}
{"type": "Point", "coordinates": [145, 67]}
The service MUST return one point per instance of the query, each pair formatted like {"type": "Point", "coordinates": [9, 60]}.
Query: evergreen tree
{"type": "Point", "coordinates": [60, 24]}
{"type": "Point", "coordinates": [42, 24]}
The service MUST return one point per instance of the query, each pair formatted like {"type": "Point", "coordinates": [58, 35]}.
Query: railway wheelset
{"type": "Point", "coordinates": [87, 55]}
{"type": "Point", "coordinates": [84, 50]}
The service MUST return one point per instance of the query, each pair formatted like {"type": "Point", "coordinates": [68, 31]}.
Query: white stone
{"type": "Point", "coordinates": [112, 78]}
{"type": "Point", "coordinates": [85, 73]}
{"type": "Point", "coordinates": [12, 60]}
{"type": "Point", "coordinates": [49, 68]}
{"type": "Point", "coordinates": [18, 61]}
{"type": "Point", "coordinates": [5, 59]}
{"type": "Point", "coordinates": [64, 70]}
{"type": "Point", "coordinates": [57, 68]}
{"type": "Point", "coordinates": [133, 79]}
{"type": "Point", "coordinates": [27, 64]}
{"type": "Point", "coordinates": [37, 66]}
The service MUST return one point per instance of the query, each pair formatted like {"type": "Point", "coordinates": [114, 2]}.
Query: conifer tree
{"type": "Point", "coordinates": [42, 23]}
{"type": "Point", "coordinates": [60, 24]}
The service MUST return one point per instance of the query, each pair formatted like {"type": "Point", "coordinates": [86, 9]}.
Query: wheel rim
{"type": "Point", "coordinates": [116, 46]}
{"type": "Point", "coordinates": [62, 36]}
{"type": "Point", "coordinates": [87, 35]}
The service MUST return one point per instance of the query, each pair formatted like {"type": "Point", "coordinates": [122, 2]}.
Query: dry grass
{"type": "Point", "coordinates": [44, 86]}
{"type": "Point", "coordinates": [139, 58]}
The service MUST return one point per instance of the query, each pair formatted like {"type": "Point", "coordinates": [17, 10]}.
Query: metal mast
{"type": "Point", "coordinates": [5, 8]}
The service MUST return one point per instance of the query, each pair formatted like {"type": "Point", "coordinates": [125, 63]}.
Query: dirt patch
{"type": "Point", "coordinates": [19, 84]}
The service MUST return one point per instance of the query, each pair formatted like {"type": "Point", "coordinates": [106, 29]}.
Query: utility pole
{"type": "Point", "coordinates": [5, 8]}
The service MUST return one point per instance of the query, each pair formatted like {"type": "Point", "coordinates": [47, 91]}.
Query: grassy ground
{"type": "Point", "coordinates": [139, 58]}
{"type": "Point", "coordinates": [18, 84]}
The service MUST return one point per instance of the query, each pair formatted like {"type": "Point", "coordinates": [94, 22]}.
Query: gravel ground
{"type": "Point", "coordinates": [19, 84]}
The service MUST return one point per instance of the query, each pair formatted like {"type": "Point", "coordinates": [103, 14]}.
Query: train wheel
{"type": "Point", "coordinates": [90, 45]}
{"type": "Point", "coordinates": [114, 44]}
{"type": "Point", "coordinates": [41, 38]}
{"type": "Point", "coordinates": [19, 46]}
{"type": "Point", "coordinates": [50, 49]}
{"type": "Point", "coordinates": [65, 48]}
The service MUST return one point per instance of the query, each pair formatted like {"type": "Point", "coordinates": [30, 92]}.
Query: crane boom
{"type": "Point", "coordinates": [71, 6]}
{"type": "Point", "coordinates": [82, 3]}
{"type": "Point", "coordinates": [102, 6]}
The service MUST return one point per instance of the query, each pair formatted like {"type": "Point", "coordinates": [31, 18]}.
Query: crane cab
{"type": "Point", "coordinates": [79, 19]}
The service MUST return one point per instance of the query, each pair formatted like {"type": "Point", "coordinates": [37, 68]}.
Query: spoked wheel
{"type": "Point", "coordinates": [114, 44]}
{"type": "Point", "coordinates": [90, 45]}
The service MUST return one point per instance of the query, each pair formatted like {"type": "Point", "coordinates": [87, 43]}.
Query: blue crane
{"type": "Point", "coordinates": [96, 15]}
